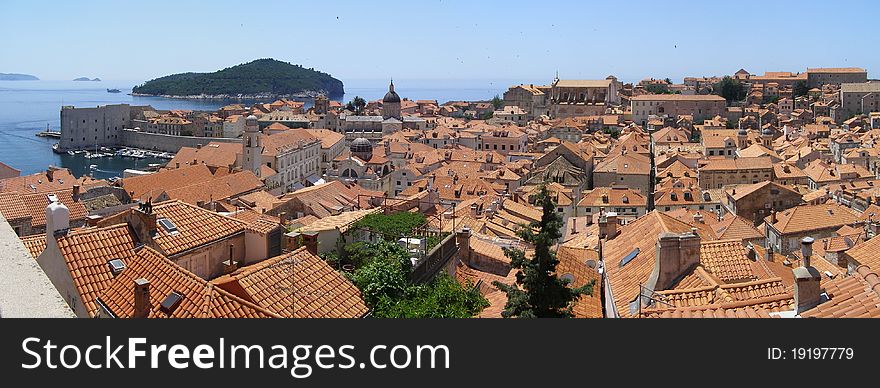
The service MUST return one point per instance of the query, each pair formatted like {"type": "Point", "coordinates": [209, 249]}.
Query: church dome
{"type": "Point", "coordinates": [742, 132]}
{"type": "Point", "coordinates": [361, 148]}
{"type": "Point", "coordinates": [767, 132]}
{"type": "Point", "coordinates": [391, 96]}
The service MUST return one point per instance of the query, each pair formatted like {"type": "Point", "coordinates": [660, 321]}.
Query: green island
{"type": "Point", "coordinates": [260, 78]}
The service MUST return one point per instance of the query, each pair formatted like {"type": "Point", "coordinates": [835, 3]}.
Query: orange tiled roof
{"type": "Point", "coordinates": [152, 185]}
{"type": "Point", "coordinates": [813, 217]}
{"type": "Point", "coordinates": [39, 182]}
{"type": "Point", "coordinates": [218, 188]}
{"type": "Point", "coordinates": [87, 252]}
{"type": "Point", "coordinates": [12, 207]}
{"type": "Point", "coordinates": [257, 222]}
{"type": "Point", "coordinates": [215, 154]}
{"type": "Point", "coordinates": [297, 285]}
{"type": "Point", "coordinates": [35, 244]}
{"type": "Point", "coordinates": [200, 299]}
{"type": "Point", "coordinates": [856, 296]}
{"type": "Point", "coordinates": [195, 226]}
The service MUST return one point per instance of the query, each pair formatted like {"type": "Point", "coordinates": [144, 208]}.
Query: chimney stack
{"type": "Point", "coordinates": [143, 221]}
{"type": "Point", "coordinates": [676, 254]}
{"type": "Point", "coordinates": [807, 290]}
{"type": "Point", "coordinates": [607, 225]}
{"type": "Point", "coordinates": [768, 254]}
{"type": "Point", "coordinates": [76, 193]}
{"type": "Point", "coordinates": [574, 222]}
{"type": "Point", "coordinates": [772, 216]}
{"type": "Point", "coordinates": [463, 240]}
{"type": "Point", "coordinates": [141, 298]}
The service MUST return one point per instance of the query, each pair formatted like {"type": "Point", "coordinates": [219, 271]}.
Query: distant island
{"type": "Point", "coordinates": [262, 78]}
{"type": "Point", "coordinates": [87, 79]}
{"type": "Point", "coordinates": [17, 77]}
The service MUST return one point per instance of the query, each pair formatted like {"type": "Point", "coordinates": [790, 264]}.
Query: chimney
{"type": "Point", "coordinates": [574, 223]}
{"type": "Point", "coordinates": [463, 240]}
{"type": "Point", "coordinates": [57, 219]}
{"type": "Point", "coordinates": [807, 291]}
{"type": "Point", "coordinates": [607, 225]}
{"type": "Point", "coordinates": [76, 193]}
{"type": "Point", "coordinates": [50, 173]}
{"type": "Point", "coordinates": [750, 253]}
{"type": "Point", "coordinates": [772, 216]}
{"type": "Point", "coordinates": [310, 240]}
{"type": "Point", "coordinates": [143, 221]}
{"type": "Point", "coordinates": [198, 146]}
{"type": "Point", "coordinates": [473, 210]}
{"type": "Point", "coordinates": [141, 298]}
{"type": "Point", "coordinates": [676, 255]}
{"type": "Point", "coordinates": [768, 253]}
{"type": "Point", "coordinates": [698, 217]}
{"type": "Point", "coordinates": [93, 220]}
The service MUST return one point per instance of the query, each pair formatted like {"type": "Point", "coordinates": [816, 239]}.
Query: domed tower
{"type": "Point", "coordinates": [767, 137]}
{"type": "Point", "coordinates": [391, 103]}
{"type": "Point", "coordinates": [362, 149]}
{"type": "Point", "coordinates": [742, 138]}
{"type": "Point", "coordinates": [252, 146]}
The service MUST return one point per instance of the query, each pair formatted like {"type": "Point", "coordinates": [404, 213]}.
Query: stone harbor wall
{"type": "Point", "coordinates": [166, 143]}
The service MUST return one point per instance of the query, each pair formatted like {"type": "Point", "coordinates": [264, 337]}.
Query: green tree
{"type": "Point", "coordinates": [497, 102]}
{"type": "Point", "coordinates": [731, 89]}
{"type": "Point", "coordinates": [443, 298]}
{"type": "Point", "coordinates": [800, 88]}
{"type": "Point", "coordinates": [382, 278]}
{"type": "Point", "coordinates": [538, 292]}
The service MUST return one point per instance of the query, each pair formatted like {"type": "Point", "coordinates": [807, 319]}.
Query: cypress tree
{"type": "Point", "coordinates": [538, 292]}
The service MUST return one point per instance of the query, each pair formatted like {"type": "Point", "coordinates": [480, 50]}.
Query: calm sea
{"type": "Point", "coordinates": [27, 107]}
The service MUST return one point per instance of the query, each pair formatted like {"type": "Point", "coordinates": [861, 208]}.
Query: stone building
{"type": "Point", "coordinates": [530, 98]}
{"type": "Point", "coordinates": [718, 173]}
{"type": "Point", "coordinates": [700, 107]}
{"type": "Point", "coordinates": [755, 202]}
{"type": "Point", "coordinates": [818, 77]}
{"type": "Point", "coordinates": [571, 98]}
{"type": "Point", "coordinates": [87, 128]}
{"type": "Point", "coordinates": [859, 98]}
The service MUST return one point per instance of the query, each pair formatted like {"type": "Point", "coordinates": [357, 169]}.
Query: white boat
{"type": "Point", "coordinates": [93, 167]}
{"type": "Point", "coordinates": [71, 153]}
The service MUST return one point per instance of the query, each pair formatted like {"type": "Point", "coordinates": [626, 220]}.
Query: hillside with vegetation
{"type": "Point", "coordinates": [260, 78]}
{"type": "Point", "coordinates": [17, 77]}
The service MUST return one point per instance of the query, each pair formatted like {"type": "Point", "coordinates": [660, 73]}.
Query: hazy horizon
{"type": "Point", "coordinates": [514, 41]}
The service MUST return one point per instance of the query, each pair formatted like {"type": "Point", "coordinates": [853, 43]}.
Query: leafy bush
{"type": "Point", "coordinates": [391, 226]}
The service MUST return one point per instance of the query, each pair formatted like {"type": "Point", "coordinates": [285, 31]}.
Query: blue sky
{"type": "Point", "coordinates": [437, 39]}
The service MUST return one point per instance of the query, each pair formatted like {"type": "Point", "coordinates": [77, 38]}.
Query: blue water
{"type": "Point", "coordinates": [27, 107]}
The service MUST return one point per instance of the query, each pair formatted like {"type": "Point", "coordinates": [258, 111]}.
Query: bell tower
{"type": "Point", "coordinates": [252, 146]}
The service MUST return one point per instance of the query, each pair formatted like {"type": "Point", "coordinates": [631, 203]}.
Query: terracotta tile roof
{"type": "Point", "coordinates": [736, 228]}
{"type": "Point", "coordinates": [762, 308]}
{"type": "Point", "coordinates": [866, 253]}
{"type": "Point", "coordinates": [260, 201]}
{"type": "Point", "coordinates": [325, 199]}
{"type": "Point", "coordinates": [35, 244]}
{"type": "Point", "coordinates": [87, 252]}
{"type": "Point", "coordinates": [152, 185]}
{"type": "Point", "coordinates": [640, 234]}
{"type": "Point", "coordinates": [738, 164]}
{"type": "Point", "coordinates": [280, 143]}
{"type": "Point", "coordinates": [328, 138]}
{"type": "Point", "coordinates": [200, 299]}
{"type": "Point", "coordinates": [12, 207]}
{"type": "Point", "coordinates": [296, 285]}
{"type": "Point", "coordinates": [726, 260]}
{"type": "Point", "coordinates": [39, 182]}
{"type": "Point", "coordinates": [36, 205]}
{"type": "Point", "coordinates": [617, 196]}
{"type": "Point", "coordinates": [215, 154]}
{"type": "Point", "coordinates": [195, 227]}
{"type": "Point", "coordinates": [218, 188]}
{"type": "Point", "coordinates": [573, 263]}
{"type": "Point", "coordinates": [257, 222]}
{"type": "Point", "coordinates": [856, 296]}
{"type": "Point", "coordinates": [629, 163]}
{"type": "Point", "coordinates": [342, 221]}
{"type": "Point", "coordinates": [805, 218]}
